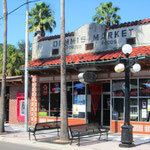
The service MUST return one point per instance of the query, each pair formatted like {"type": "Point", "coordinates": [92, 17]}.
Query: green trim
{"type": "Point", "coordinates": [80, 64]}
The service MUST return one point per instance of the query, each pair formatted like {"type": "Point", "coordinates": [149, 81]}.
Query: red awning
{"type": "Point", "coordinates": [90, 57]}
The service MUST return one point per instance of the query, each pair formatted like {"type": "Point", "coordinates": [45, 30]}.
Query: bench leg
{"type": "Point", "coordinates": [107, 136]}
{"type": "Point", "coordinates": [29, 135]}
{"type": "Point", "coordinates": [71, 141]}
{"type": "Point", "coordinates": [34, 136]}
{"type": "Point", "coordinates": [57, 132]}
{"type": "Point", "coordinates": [79, 139]}
{"type": "Point", "coordinates": [99, 136]}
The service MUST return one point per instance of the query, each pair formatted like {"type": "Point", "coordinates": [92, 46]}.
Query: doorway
{"type": "Point", "coordinates": [98, 103]}
{"type": "Point", "coordinates": [94, 103]}
{"type": "Point", "coordinates": [105, 107]}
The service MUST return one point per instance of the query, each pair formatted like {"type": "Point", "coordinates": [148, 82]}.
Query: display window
{"type": "Point", "coordinates": [144, 87]}
{"type": "Point", "coordinates": [145, 109]}
{"type": "Point", "coordinates": [54, 99]}
{"type": "Point", "coordinates": [118, 109]}
{"type": "Point", "coordinates": [134, 109]}
{"type": "Point", "coordinates": [44, 100]}
{"type": "Point", "coordinates": [139, 100]}
{"type": "Point", "coordinates": [49, 102]}
{"type": "Point", "coordinates": [118, 88]}
{"type": "Point", "coordinates": [69, 98]}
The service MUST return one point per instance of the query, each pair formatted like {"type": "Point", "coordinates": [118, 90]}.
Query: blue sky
{"type": "Point", "coordinates": [78, 13]}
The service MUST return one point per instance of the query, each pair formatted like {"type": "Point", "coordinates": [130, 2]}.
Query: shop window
{"type": "Point", "coordinates": [89, 46]}
{"type": "Point", "coordinates": [44, 100]}
{"type": "Point", "coordinates": [139, 99]}
{"type": "Point", "coordinates": [79, 100]}
{"type": "Point", "coordinates": [106, 87]}
{"type": "Point", "coordinates": [55, 99]}
{"type": "Point", "coordinates": [117, 113]}
{"type": "Point", "coordinates": [131, 41]}
{"type": "Point", "coordinates": [145, 109]}
{"type": "Point", "coordinates": [133, 87]}
{"type": "Point", "coordinates": [133, 109]}
{"type": "Point", "coordinates": [69, 98]}
{"type": "Point", "coordinates": [144, 87]}
{"type": "Point", "coordinates": [118, 88]}
{"type": "Point", "coordinates": [50, 99]}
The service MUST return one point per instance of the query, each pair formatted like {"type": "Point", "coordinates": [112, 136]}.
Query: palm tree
{"type": "Point", "coordinates": [41, 19]}
{"type": "Point", "coordinates": [3, 88]}
{"type": "Point", "coordinates": [15, 59]}
{"type": "Point", "coordinates": [64, 134]}
{"type": "Point", "coordinates": [106, 14]}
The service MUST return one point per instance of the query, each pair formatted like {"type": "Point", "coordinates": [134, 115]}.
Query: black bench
{"type": "Point", "coordinates": [83, 130]}
{"type": "Point", "coordinates": [44, 126]}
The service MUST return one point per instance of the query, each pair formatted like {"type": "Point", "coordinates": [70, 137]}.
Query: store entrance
{"type": "Point", "coordinates": [94, 103]}
{"type": "Point", "coordinates": [106, 110]}
{"type": "Point", "coordinates": [98, 103]}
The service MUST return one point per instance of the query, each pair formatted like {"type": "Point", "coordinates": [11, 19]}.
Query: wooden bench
{"type": "Point", "coordinates": [83, 130]}
{"type": "Point", "coordinates": [44, 126]}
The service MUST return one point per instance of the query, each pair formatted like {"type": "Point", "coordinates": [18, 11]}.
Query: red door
{"type": "Point", "coordinates": [20, 106]}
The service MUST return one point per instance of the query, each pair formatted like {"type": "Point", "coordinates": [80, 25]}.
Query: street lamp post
{"type": "Point", "coordinates": [128, 65]}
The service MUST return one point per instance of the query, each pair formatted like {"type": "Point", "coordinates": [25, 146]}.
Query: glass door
{"type": "Point", "coordinates": [106, 110]}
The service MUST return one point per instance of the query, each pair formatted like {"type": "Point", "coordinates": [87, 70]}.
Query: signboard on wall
{"type": "Point", "coordinates": [87, 77]}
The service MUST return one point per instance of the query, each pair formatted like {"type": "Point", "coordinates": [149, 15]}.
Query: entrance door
{"type": "Point", "coordinates": [21, 110]}
{"type": "Point", "coordinates": [94, 104]}
{"type": "Point", "coordinates": [106, 110]}
{"type": "Point", "coordinates": [20, 106]}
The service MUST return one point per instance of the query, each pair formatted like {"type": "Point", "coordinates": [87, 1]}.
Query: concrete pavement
{"type": "Point", "coordinates": [16, 134]}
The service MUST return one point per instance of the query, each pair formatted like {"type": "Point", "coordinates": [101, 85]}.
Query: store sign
{"type": "Point", "coordinates": [105, 38]}
{"type": "Point", "coordinates": [87, 77]}
{"type": "Point", "coordinates": [97, 34]}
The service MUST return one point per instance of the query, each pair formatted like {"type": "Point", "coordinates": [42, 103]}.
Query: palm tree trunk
{"type": "Point", "coordinates": [64, 134]}
{"type": "Point", "coordinates": [3, 88]}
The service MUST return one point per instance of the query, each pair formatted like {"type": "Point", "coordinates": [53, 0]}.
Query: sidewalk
{"type": "Point", "coordinates": [16, 134]}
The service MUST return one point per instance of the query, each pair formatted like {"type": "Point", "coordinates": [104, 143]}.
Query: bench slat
{"type": "Point", "coordinates": [44, 126]}
{"type": "Point", "coordinates": [81, 130]}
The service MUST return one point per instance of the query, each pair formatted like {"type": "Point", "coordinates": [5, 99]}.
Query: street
{"type": "Point", "coordinates": [10, 146]}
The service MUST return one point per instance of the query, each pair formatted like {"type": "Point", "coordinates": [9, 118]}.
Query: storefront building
{"type": "Point", "coordinates": [14, 99]}
{"type": "Point", "coordinates": [93, 48]}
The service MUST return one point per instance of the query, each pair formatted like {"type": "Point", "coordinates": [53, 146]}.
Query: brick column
{"type": "Point", "coordinates": [34, 101]}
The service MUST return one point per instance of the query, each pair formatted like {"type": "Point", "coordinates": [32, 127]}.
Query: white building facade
{"type": "Point", "coordinates": [93, 48]}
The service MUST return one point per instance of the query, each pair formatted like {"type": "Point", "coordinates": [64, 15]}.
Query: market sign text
{"type": "Point", "coordinates": [109, 38]}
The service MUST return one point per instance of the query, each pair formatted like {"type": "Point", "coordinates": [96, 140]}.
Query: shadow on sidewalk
{"type": "Point", "coordinates": [13, 128]}
{"type": "Point", "coordinates": [139, 144]}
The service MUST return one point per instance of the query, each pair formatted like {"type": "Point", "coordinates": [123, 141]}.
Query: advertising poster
{"type": "Point", "coordinates": [148, 106]}
{"type": "Point", "coordinates": [75, 109]}
{"type": "Point", "coordinates": [143, 104]}
{"type": "Point", "coordinates": [79, 104]}
{"type": "Point", "coordinates": [144, 113]}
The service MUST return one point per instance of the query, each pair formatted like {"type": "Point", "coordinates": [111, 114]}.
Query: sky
{"type": "Point", "coordinates": [77, 14]}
